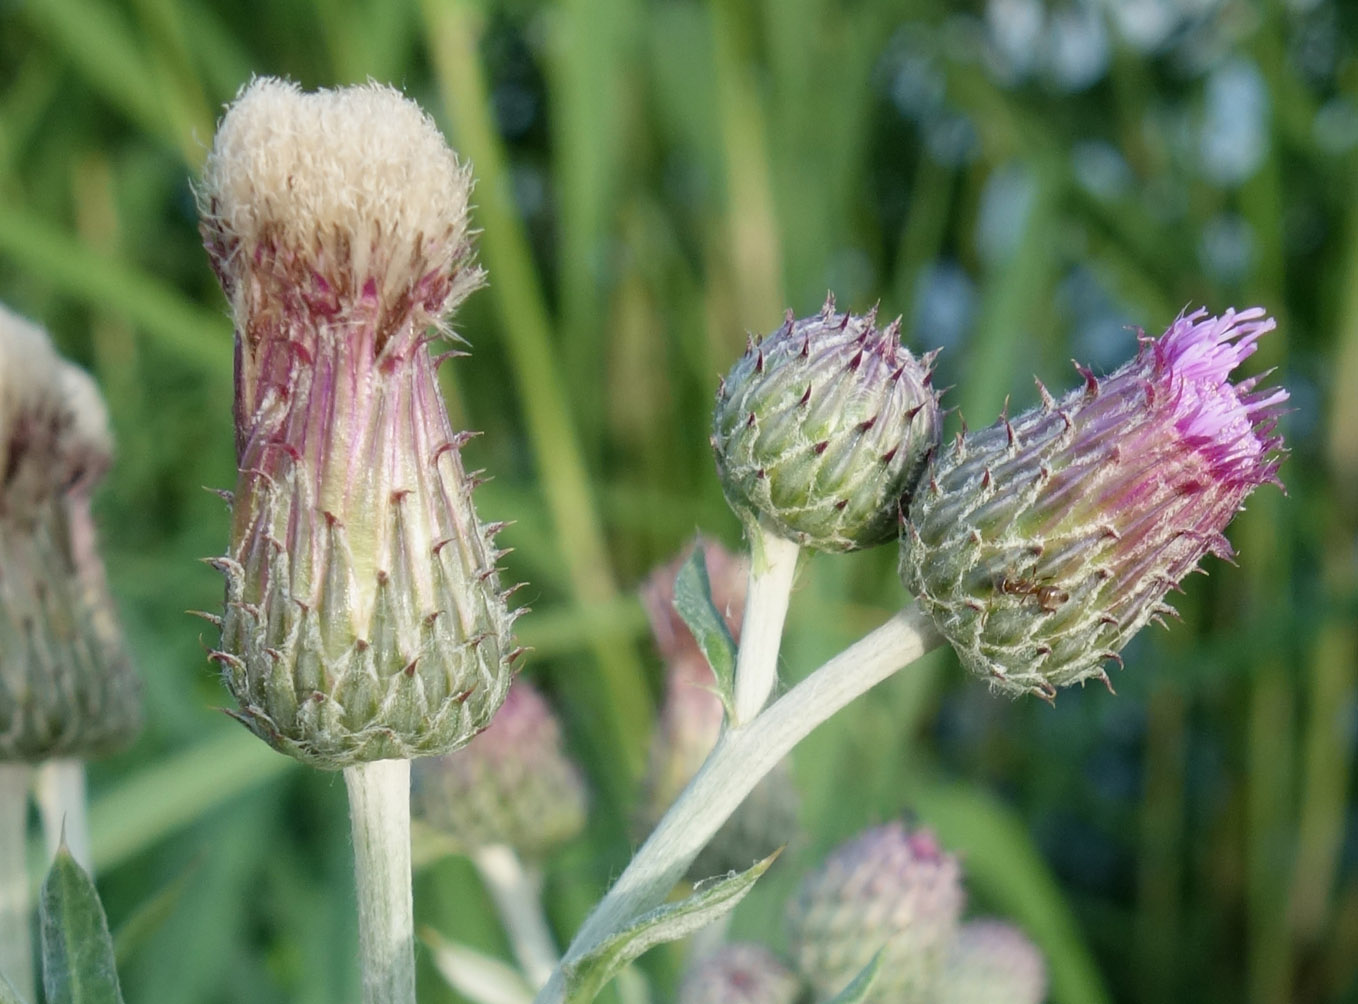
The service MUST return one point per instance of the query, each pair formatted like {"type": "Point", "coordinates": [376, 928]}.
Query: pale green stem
{"type": "Point", "coordinates": [742, 756]}
{"type": "Point", "coordinates": [60, 791]}
{"type": "Point", "coordinates": [773, 560]}
{"type": "Point", "coordinates": [379, 811]}
{"type": "Point", "coordinates": [517, 892]}
{"type": "Point", "coordinates": [16, 908]}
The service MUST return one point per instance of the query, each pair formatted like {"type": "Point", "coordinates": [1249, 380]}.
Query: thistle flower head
{"type": "Point", "coordinates": [513, 784]}
{"type": "Point", "coordinates": [67, 687]}
{"type": "Point", "coordinates": [691, 717]}
{"type": "Point", "coordinates": [1042, 544]}
{"type": "Point", "coordinates": [889, 890]}
{"type": "Point", "coordinates": [740, 973]}
{"type": "Point", "coordinates": [823, 428]}
{"type": "Point", "coordinates": [364, 618]}
{"type": "Point", "coordinates": [347, 199]}
{"type": "Point", "coordinates": [992, 962]}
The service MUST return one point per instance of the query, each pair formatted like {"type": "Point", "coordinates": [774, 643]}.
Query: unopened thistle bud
{"type": "Point", "coordinates": [513, 784]}
{"type": "Point", "coordinates": [364, 616]}
{"type": "Point", "coordinates": [887, 890]}
{"type": "Point", "coordinates": [1042, 544]}
{"type": "Point", "coordinates": [741, 973]}
{"type": "Point", "coordinates": [691, 721]}
{"type": "Point", "coordinates": [992, 962]}
{"type": "Point", "coordinates": [823, 428]}
{"type": "Point", "coordinates": [67, 687]}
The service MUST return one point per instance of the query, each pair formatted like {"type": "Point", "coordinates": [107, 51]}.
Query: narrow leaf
{"type": "Point", "coordinates": [857, 990]}
{"type": "Point", "coordinates": [693, 601]}
{"type": "Point", "coordinates": [77, 952]}
{"type": "Point", "coordinates": [587, 976]}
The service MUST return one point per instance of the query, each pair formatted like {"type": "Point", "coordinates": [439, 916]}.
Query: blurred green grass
{"type": "Point", "coordinates": [655, 179]}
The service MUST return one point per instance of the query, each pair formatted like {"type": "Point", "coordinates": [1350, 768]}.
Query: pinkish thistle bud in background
{"type": "Point", "coordinates": [1042, 544]}
{"type": "Point", "coordinates": [691, 720]}
{"type": "Point", "coordinates": [364, 616]}
{"type": "Point", "coordinates": [822, 430]}
{"type": "Point", "coordinates": [513, 784]}
{"type": "Point", "coordinates": [67, 686]}
{"type": "Point", "coordinates": [992, 962]}
{"type": "Point", "coordinates": [889, 890]}
{"type": "Point", "coordinates": [741, 973]}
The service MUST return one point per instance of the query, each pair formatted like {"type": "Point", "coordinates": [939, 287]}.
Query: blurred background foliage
{"type": "Point", "coordinates": [1022, 181]}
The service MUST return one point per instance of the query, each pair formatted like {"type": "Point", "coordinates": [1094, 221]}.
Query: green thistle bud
{"type": "Point", "coordinates": [823, 429]}
{"type": "Point", "coordinates": [513, 784]}
{"type": "Point", "coordinates": [364, 616]}
{"type": "Point", "coordinates": [67, 687]}
{"type": "Point", "coordinates": [992, 962]}
{"type": "Point", "coordinates": [691, 720]}
{"type": "Point", "coordinates": [741, 973]}
{"type": "Point", "coordinates": [886, 890]}
{"type": "Point", "coordinates": [1041, 545]}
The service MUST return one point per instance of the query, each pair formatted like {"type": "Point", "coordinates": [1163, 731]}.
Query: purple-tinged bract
{"type": "Point", "coordinates": [822, 429]}
{"type": "Point", "coordinates": [1042, 544]}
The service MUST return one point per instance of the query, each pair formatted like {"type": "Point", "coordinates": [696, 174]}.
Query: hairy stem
{"type": "Point", "coordinates": [379, 811]}
{"type": "Point", "coordinates": [742, 756]}
{"type": "Point", "coordinates": [773, 562]}
{"type": "Point", "coordinates": [16, 936]}
{"type": "Point", "coordinates": [60, 791]}
{"type": "Point", "coordinates": [517, 892]}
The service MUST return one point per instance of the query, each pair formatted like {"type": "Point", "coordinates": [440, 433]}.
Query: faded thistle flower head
{"type": "Point", "coordinates": [513, 784]}
{"type": "Point", "coordinates": [889, 890]}
{"type": "Point", "coordinates": [992, 962]}
{"type": "Point", "coordinates": [691, 720]}
{"type": "Point", "coordinates": [823, 428]}
{"type": "Point", "coordinates": [364, 615]}
{"type": "Point", "coordinates": [740, 973]}
{"type": "Point", "coordinates": [1042, 544]}
{"type": "Point", "coordinates": [67, 687]}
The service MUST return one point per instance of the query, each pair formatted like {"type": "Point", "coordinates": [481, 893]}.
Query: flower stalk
{"type": "Point", "coordinates": [743, 755]}
{"type": "Point", "coordinates": [766, 600]}
{"type": "Point", "coordinates": [59, 788]}
{"type": "Point", "coordinates": [516, 889]}
{"type": "Point", "coordinates": [16, 909]}
{"type": "Point", "coordinates": [379, 814]}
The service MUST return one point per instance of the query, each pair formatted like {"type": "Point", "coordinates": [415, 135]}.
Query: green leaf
{"type": "Point", "coordinates": [8, 995]}
{"type": "Point", "coordinates": [857, 990]}
{"type": "Point", "coordinates": [670, 922]}
{"type": "Point", "coordinates": [475, 975]}
{"type": "Point", "coordinates": [77, 952]}
{"type": "Point", "coordinates": [693, 601]}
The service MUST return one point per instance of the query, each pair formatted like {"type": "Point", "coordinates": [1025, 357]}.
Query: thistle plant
{"type": "Point", "coordinates": [889, 893]}
{"type": "Point", "coordinates": [1042, 544]}
{"type": "Point", "coordinates": [67, 688]}
{"type": "Point", "coordinates": [740, 973]}
{"type": "Point", "coordinates": [991, 962]}
{"type": "Point", "coordinates": [691, 716]}
{"type": "Point", "coordinates": [364, 621]}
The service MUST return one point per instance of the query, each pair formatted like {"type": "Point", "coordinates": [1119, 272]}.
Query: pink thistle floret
{"type": "Point", "coordinates": [1042, 544]}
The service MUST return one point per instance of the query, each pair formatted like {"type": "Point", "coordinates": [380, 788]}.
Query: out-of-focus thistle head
{"type": "Point", "coordinates": [889, 890]}
{"type": "Point", "coordinates": [691, 721]}
{"type": "Point", "coordinates": [992, 962]}
{"type": "Point", "coordinates": [67, 687]}
{"type": "Point", "coordinates": [740, 973]}
{"type": "Point", "coordinates": [364, 615]}
{"type": "Point", "coordinates": [513, 784]}
{"type": "Point", "coordinates": [1042, 544]}
{"type": "Point", "coordinates": [822, 430]}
